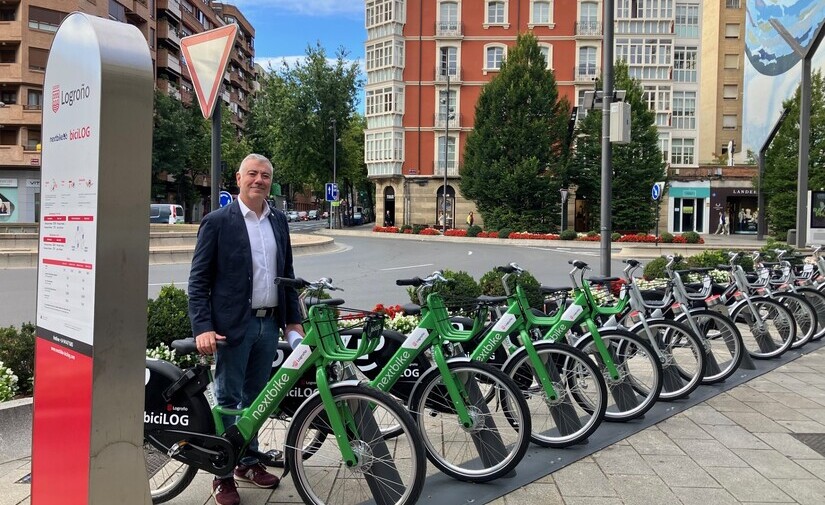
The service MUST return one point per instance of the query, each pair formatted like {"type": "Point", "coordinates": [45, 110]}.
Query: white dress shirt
{"type": "Point", "coordinates": [264, 248]}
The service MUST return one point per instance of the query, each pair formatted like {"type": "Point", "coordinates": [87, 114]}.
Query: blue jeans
{"type": "Point", "coordinates": [241, 372]}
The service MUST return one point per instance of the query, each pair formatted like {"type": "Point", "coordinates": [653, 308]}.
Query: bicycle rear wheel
{"type": "Point", "coordinates": [804, 315]}
{"type": "Point", "coordinates": [683, 356]}
{"type": "Point", "coordinates": [817, 300]}
{"type": "Point", "coordinates": [499, 434]}
{"type": "Point", "coordinates": [639, 380]}
{"type": "Point", "coordinates": [388, 472]}
{"type": "Point", "coordinates": [167, 477]}
{"type": "Point", "coordinates": [581, 395]}
{"type": "Point", "coordinates": [724, 348]}
{"type": "Point", "coordinates": [769, 336]}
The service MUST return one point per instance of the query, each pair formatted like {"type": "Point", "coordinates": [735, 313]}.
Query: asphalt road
{"type": "Point", "coordinates": [366, 269]}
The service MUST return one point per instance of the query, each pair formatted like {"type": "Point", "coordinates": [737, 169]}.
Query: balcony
{"type": "Point", "coordinates": [587, 72]}
{"type": "Point", "coordinates": [168, 32]}
{"type": "Point", "coordinates": [10, 31]}
{"type": "Point", "coordinates": [440, 120]}
{"type": "Point", "coordinates": [11, 72]}
{"type": "Point", "coordinates": [137, 10]}
{"type": "Point", "coordinates": [449, 29]}
{"type": "Point", "coordinates": [17, 155]}
{"type": "Point", "coordinates": [169, 61]}
{"type": "Point", "coordinates": [452, 168]}
{"type": "Point", "coordinates": [588, 29]}
{"type": "Point", "coordinates": [171, 7]}
{"type": "Point", "coordinates": [441, 75]}
{"type": "Point", "coordinates": [169, 88]}
{"type": "Point", "coordinates": [20, 114]}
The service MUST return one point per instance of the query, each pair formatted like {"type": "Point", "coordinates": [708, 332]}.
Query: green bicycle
{"type": "Point", "coordinates": [357, 464]}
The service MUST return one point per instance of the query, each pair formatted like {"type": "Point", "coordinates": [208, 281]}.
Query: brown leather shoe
{"type": "Point", "coordinates": [256, 474]}
{"type": "Point", "coordinates": [226, 492]}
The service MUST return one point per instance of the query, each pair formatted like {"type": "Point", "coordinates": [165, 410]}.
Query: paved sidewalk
{"type": "Point", "coordinates": [743, 446]}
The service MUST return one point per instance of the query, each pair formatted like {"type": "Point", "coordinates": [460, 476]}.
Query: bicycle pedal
{"type": "Point", "coordinates": [176, 448]}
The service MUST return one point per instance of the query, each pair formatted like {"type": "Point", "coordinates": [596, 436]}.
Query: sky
{"type": "Point", "coordinates": [284, 28]}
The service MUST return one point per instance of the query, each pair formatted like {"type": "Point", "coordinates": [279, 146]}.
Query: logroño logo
{"type": "Point", "coordinates": [55, 98]}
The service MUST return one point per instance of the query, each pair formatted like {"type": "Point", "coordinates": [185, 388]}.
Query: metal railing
{"type": "Point", "coordinates": [440, 120]}
{"type": "Point", "coordinates": [586, 72]}
{"type": "Point", "coordinates": [449, 29]}
{"type": "Point", "coordinates": [441, 74]}
{"type": "Point", "coordinates": [588, 28]}
{"type": "Point", "coordinates": [452, 168]}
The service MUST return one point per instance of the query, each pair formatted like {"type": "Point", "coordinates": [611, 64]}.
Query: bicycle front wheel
{"type": "Point", "coordinates": [576, 406]}
{"type": "Point", "coordinates": [387, 471]}
{"type": "Point", "coordinates": [639, 373]}
{"type": "Point", "coordinates": [804, 315]}
{"type": "Point", "coordinates": [167, 477]}
{"type": "Point", "coordinates": [724, 348]}
{"type": "Point", "coordinates": [498, 434]}
{"type": "Point", "coordinates": [817, 300]}
{"type": "Point", "coordinates": [768, 330]}
{"type": "Point", "coordinates": [682, 356]}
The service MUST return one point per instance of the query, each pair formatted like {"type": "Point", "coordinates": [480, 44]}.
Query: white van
{"type": "Point", "coordinates": [165, 213]}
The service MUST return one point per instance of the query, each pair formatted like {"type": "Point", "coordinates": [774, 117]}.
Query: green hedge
{"type": "Point", "coordinates": [491, 286]}
{"type": "Point", "coordinates": [168, 317]}
{"type": "Point", "coordinates": [17, 354]}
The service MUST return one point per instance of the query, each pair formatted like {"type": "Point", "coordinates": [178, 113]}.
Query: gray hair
{"type": "Point", "coordinates": [256, 157]}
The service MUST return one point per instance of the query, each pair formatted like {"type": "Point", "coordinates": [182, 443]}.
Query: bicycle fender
{"type": "Point", "coordinates": [426, 375]}
{"type": "Point", "coordinates": [521, 350]}
{"type": "Point", "coordinates": [635, 327]}
{"type": "Point", "coordinates": [736, 305]}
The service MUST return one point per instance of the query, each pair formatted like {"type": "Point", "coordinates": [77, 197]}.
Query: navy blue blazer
{"type": "Point", "coordinates": [220, 281]}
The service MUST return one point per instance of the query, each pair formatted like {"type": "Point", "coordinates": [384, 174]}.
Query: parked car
{"type": "Point", "coordinates": [302, 215]}
{"type": "Point", "coordinates": [312, 215]}
{"type": "Point", "coordinates": [165, 213]}
{"type": "Point", "coordinates": [292, 215]}
{"type": "Point", "coordinates": [357, 219]}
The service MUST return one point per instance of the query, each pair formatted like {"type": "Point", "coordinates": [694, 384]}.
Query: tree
{"type": "Point", "coordinates": [782, 159]}
{"type": "Point", "coordinates": [514, 160]}
{"type": "Point", "coordinates": [636, 165]}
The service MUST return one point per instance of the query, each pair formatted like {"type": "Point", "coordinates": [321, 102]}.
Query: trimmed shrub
{"type": "Point", "coordinates": [594, 233]}
{"type": "Point", "coordinates": [473, 231]}
{"type": "Point", "coordinates": [8, 383]}
{"type": "Point", "coordinates": [168, 317]}
{"type": "Point", "coordinates": [666, 237]}
{"type": "Point", "coordinates": [491, 286]}
{"type": "Point", "coordinates": [655, 269]}
{"type": "Point", "coordinates": [505, 233]}
{"type": "Point", "coordinates": [17, 352]}
{"type": "Point", "coordinates": [416, 228]}
{"type": "Point", "coordinates": [568, 234]}
{"type": "Point", "coordinates": [406, 228]}
{"type": "Point", "coordinates": [692, 237]}
{"type": "Point", "coordinates": [614, 236]}
{"type": "Point", "coordinates": [456, 293]}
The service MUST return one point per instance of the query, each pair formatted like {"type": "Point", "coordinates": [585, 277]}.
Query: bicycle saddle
{"type": "Point", "coordinates": [601, 280]}
{"type": "Point", "coordinates": [578, 264]}
{"type": "Point", "coordinates": [411, 309]}
{"type": "Point", "coordinates": [546, 290]}
{"type": "Point", "coordinates": [491, 300]}
{"type": "Point", "coordinates": [633, 263]}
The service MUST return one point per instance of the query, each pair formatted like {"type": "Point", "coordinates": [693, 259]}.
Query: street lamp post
{"type": "Point", "coordinates": [333, 219]}
{"type": "Point", "coordinates": [564, 193]}
{"type": "Point", "coordinates": [448, 114]}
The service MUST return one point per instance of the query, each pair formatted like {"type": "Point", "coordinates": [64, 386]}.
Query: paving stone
{"type": "Point", "coordinates": [621, 460]}
{"type": "Point", "coordinates": [815, 467]}
{"type": "Point", "coordinates": [776, 411]}
{"type": "Point", "coordinates": [755, 422]}
{"type": "Point", "coordinates": [726, 403]}
{"type": "Point", "coordinates": [642, 489]}
{"type": "Point", "coordinates": [704, 415]}
{"type": "Point", "coordinates": [746, 394]}
{"type": "Point", "coordinates": [498, 501]}
{"type": "Point", "coordinates": [817, 415]}
{"type": "Point", "coordinates": [710, 453]}
{"type": "Point", "coordinates": [803, 426]}
{"type": "Point", "coordinates": [704, 496]}
{"type": "Point", "coordinates": [735, 437]}
{"type": "Point", "coordinates": [585, 500]}
{"type": "Point", "coordinates": [678, 471]}
{"type": "Point", "coordinates": [681, 426]}
{"type": "Point", "coordinates": [583, 479]}
{"type": "Point", "coordinates": [772, 464]}
{"type": "Point", "coordinates": [775, 384]}
{"type": "Point", "coordinates": [535, 493]}
{"type": "Point", "coordinates": [653, 441]}
{"type": "Point", "coordinates": [746, 484]}
{"type": "Point", "coordinates": [794, 400]}
{"type": "Point", "coordinates": [804, 491]}
{"type": "Point", "coordinates": [786, 444]}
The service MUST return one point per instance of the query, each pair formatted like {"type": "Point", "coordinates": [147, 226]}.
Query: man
{"type": "Point", "coordinates": [241, 248]}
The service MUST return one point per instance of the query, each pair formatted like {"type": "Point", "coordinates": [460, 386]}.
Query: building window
{"type": "Point", "coordinates": [644, 52]}
{"type": "Point", "coordinates": [151, 38]}
{"type": "Point", "coordinates": [387, 100]}
{"type": "Point", "coordinates": [687, 21]}
{"type": "Point", "coordinates": [657, 98]}
{"type": "Point", "coordinates": [684, 110]}
{"type": "Point", "coordinates": [450, 163]}
{"type": "Point", "coordinates": [732, 31]}
{"type": "Point", "coordinates": [496, 12]}
{"type": "Point", "coordinates": [448, 61]}
{"type": "Point", "coordinates": [733, 4]}
{"type": "Point", "coordinates": [446, 106]}
{"type": "Point", "coordinates": [117, 11]}
{"type": "Point", "coordinates": [448, 16]}
{"type": "Point", "coordinates": [730, 92]}
{"type": "Point", "coordinates": [8, 97]}
{"type": "Point", "coordinates": [684, 64]}
{"type": "Point", "coordinates": [664, 146]}
{"type": "Point", "coordinates": [541, 12]}
{"type": "Point", "coordinates": [32, 140]}
{"type": "Point", "coordinates": [385, 54]}
{"type": "Point", "coordinates": [45, 19]}
{"type": "Point", "coordinates": [547, 53]}
{"type": "Point", "coordinates": [732, 61]}
{"type": "Point", "coordinates": [384, 11]}
{"type": "Point", "coordinates": [588, 19]}
{"type": "Point", "coordinates": [8, 55]}
{"type": "Point", "coordinates": [729, 121]}
{"type": "Point", "coordinates": [682, 151]}
{"type": "Point", "coordinates": [384, 146]}
{"type": "Point", "coordinates": [35, 99]}
{"type": "Point", "coordinates": [38, 58]}
{"type": "Point", "coordinates": [586, 68]}
{"type": "Point", "coordinates": [494, 57]}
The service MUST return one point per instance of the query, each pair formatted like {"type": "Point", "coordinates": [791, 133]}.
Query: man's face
{"type": "Point", "coordinates": [254, 181]}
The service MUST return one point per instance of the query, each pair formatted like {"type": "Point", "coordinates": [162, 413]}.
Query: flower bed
{"type": "Point", "coordinates": [639, 238]}
{"type": "Point", "coordinates": [455, 232]}
{"type": "Point", "coordinates": [533, 236]}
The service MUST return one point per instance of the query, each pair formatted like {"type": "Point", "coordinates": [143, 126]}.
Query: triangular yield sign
{"type": "Point", "coordinates": [207, 54]}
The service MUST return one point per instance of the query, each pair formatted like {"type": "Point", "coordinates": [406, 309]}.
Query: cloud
{"type": "Point", "coordinates": [306, 7]}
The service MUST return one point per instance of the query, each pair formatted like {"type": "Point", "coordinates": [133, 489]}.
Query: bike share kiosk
{"type": "Point", "coordinates": [87, 443]}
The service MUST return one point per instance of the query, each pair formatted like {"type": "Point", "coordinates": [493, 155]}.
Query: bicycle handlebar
{"type": "Point", "coordinates": [415, 281]}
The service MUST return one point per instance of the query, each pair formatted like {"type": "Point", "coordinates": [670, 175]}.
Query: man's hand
{"type": "Point", "coordinates": [298, 328]}
{"type": "Point", "coordinates": [207, 342]}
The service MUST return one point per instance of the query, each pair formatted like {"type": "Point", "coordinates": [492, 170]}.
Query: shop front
{"type": "Point", "coordinates": [688, 203]}
{"type": "Point", "coordinates": [739, 205]}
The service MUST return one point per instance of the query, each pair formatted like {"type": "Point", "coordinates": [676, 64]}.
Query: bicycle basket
{"type": "Point", "coordinates": [329, 322]}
